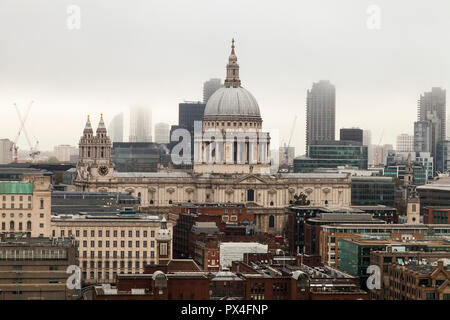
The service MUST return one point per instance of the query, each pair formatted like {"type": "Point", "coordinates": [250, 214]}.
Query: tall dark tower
{"type": "Point", "coordinates": [320, 112]}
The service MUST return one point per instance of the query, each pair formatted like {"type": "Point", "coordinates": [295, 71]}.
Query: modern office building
{"type": "Point", "coordinates": [373, 191]}
{"type": "Point", "coordinates": [398, 171]}
{"type": "Point", "coordinates": [422, 136]}
{"type": "Point", "coordinates": [209, 87]}
{"type": "Point", "coordinates": [367, 141]}
{"type": "Point", "coordinates": [352, 134]}
{"type": "Point", "coordinates": [405, 143]}
{"type": "Point", "coordinates": [140, 124]}
{"type": "Point", "coordinates": [443, 156]}
{"type": "Point", "coordinates": [139, 156]}
{"type": "Point", "coordinates": [115, 128]}
{"type": "Point", "coordinates": [162, 133]}
{"type": "Point", "coordinates": [189, 112]}
{"type": "Point", "coordinates": [420, 158]}
{"type": "Point", "coordinates": [431, 105]}
{"type": "Point", "coordinates": [320, 112]}
{"type": "Point", "coordinates": [435, 194]}
{"type": "Point", "coordinates": [6, 151]}
{"type": "Point", "coordinates": [332, 154]}
{"type": "Point", "coordinates": [64, 152]}
{"type": "Point", "coordinates": [36, 268]}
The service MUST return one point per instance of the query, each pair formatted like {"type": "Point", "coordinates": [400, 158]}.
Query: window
{"type": "Point", "coordinates": [130, 234]}
{"type": "Point", "coordinates": [250, 195]}
{"type": "Point", "coordinates": [42, 204]}
{"type": "Point", "coordinates": [271, 222]}
{"type": "Point", "coordinates": [29, 225]}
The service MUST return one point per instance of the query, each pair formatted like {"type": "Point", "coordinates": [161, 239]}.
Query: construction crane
{"type": "Point", "coordinates": [33, 150]}
{"type": "Point", "coordinates": [286, 151]}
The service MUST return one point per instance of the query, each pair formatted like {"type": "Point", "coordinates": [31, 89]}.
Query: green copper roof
{"type": "Point", "coordinates": [16, 188]}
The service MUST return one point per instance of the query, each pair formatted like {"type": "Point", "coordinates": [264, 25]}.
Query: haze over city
{"type": "Point", "coordinates": [159, 53]}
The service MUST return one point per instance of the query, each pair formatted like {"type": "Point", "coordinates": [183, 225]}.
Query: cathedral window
{"type": "Point", "coordinates": [271, 222]}
{"type": "Point", "coordinates": [250, 195]}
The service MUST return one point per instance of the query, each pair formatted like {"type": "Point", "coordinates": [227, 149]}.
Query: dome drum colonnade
{"type": "Point", "coordinates": [231, 138]}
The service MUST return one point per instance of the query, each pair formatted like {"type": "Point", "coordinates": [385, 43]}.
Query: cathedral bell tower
{"type": "Point", "coordinates": [94, 161]}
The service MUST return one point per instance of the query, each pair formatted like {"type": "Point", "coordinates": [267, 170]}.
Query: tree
{"type": "Point", "coordinates": [397, 181]}
{"type": "Point", "coordinates": [301, 200]}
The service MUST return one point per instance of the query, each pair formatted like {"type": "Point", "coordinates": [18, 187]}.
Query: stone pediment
{"type": "Point", "coordinates": [251, 178]}
{"type": "Point", "coordinates": [252, 205]}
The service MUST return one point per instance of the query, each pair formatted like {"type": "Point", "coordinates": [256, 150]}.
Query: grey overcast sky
{"type": "Point", "coordinates": [159, 53]}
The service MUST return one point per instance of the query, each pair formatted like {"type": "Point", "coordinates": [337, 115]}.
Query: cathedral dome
{"type": "Point", "coordinates": [230, 103]}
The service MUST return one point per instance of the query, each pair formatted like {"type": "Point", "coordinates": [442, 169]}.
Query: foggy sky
{"type": "Point", "coordinates": [159, 53]}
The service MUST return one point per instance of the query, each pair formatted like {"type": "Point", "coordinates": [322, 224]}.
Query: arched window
{"type": "Point", "coordinates": [20, 226]}
{"type": "Point", "coordinates": [170, 201]}
{"type": "Point", "coordinates": [11, 225]}
{"type": "Point", "coordinates": [271, 203]}
{"type": "Point", "coordinates": [29, 225]}
{"type": "Point", "coordinates": [151, 202]}
{"type": "Point", "coordinates": [271, 222]}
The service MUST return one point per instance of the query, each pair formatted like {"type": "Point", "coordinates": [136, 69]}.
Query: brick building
{"type": "Point", "coordinates": [436, 215]}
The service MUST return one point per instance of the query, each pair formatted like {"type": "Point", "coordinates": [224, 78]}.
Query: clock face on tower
{"type": "Point", "coordinates": [103, 171]}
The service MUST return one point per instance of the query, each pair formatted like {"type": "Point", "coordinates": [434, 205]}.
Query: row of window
{"type": "Point", "coordinates": [115, 243]}
{"type": "Point", "coordinates": [107, 233]}
{"type": "Point", "coordinates": [113, 265]}
{"type": "Point", "coordinates": [20, 226]}
{"type": "Point", "coordinates": [12, 198]}
{"type": "Point", "coordinates": [115, 255]}
{"type": "Point", "coordinates": [250, 124]}
{"type": "Point", "coordinates": [21, 215]}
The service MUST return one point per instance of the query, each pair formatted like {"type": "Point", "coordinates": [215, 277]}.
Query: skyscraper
{"type": "Point", "coordinates": [405, 143]}
{"type": "Point", "coordinates": [320, 112]}
{"type": "Point", "coordinates": [367, 141]}
{"type": "Point", "coordinates": [209, 87]}
{"type": "Point", "coordinates": [162, 132]}
{"type": "Point", "coordinates": [6, 151]}
{"type": "Point", "coordinates": [140, 124]}
{"type": "Point", "coordinates": [431, 108]}
{"type": "Point", "coordinates": [422, 136]}
{"type": "Point", "coordinates": [116, 128]}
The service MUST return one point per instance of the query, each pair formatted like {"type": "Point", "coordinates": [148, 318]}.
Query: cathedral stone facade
{"type": "Point", "coordinates": [236, 172]}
